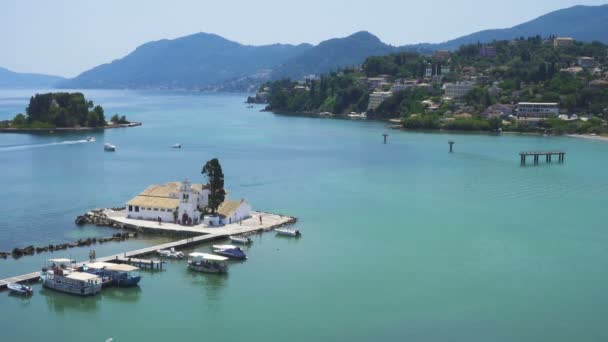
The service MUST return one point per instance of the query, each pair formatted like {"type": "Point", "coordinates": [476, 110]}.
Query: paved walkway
{"type": "Point", "coordinates": [251, 224]}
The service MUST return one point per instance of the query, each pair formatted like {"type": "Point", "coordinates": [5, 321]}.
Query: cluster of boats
{"type": "Point", "coordinates": [63, 275]}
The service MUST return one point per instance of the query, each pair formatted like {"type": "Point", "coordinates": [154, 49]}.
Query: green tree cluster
{"type": "Point", "coordinates": [60, 110]}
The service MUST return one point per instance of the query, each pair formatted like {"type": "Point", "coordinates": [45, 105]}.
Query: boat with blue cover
{"type": "Point", "coordinates": [229, 251]}
{"type": "Point", "coordinates": [117, 274]}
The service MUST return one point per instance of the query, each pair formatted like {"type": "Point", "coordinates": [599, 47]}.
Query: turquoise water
{"type": "Point", "coordinates": [400, 241]}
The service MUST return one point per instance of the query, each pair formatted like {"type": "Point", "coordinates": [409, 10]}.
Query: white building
{"type": "Point", "coordinates": [458, 89]}
{"type": "Point", "coordinates": [377, 97]}
{"type": "Point", "coordinates": [181, 202]}
{"type": "Point", "coordinates": [234, 211]}
{"type": "Point", "coordinates": [537, 109]}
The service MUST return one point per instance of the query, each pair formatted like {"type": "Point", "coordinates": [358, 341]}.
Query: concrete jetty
{"type": "Point", "coordinates": [195, 235]}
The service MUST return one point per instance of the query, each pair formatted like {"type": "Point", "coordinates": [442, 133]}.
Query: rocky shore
{"type": "Point", "coordinates": [98, 218]}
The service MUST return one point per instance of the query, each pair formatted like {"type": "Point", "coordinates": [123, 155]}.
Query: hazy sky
{"type": "Point", "coordinates": [66, 37]}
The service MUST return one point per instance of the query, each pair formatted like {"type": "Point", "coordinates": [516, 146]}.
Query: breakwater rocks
{"type": "Point", "coordinates": [98, 218]}
{"type": "Point", "coordinates": [31, 250]}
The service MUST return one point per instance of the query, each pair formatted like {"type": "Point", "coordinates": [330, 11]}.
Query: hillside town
{"type": "Point", "coordinates": [472, 88]}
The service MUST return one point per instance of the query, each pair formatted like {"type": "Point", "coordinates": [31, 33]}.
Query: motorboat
{"type": "Point", "coordinates": [242, 240]}
{"type": "Point", "coordinates": [109, 147]}
{"type": "Point", "coordinates": [177, 145]}
{"type": "Point", "coordinates": [250, 106]}
{"type": "Point", "coordinates": [208, 263]}
{"type": "Point", "coordinates": [91, 139]}
{"type": "Point", "coordinates": [288, 232]}
{"type": "Point", "coordinates": [70, 281]}
{"type": "Point", "coordinates": [20, 289]}
{"type": "Point", "coordinates": [171, 253]}
{"type": "Point", "coordinates": [63, 263]}
{"type": "Point", "coordinates": [229, 251]}
{"type": "Point", "coordinates": [117, 274]}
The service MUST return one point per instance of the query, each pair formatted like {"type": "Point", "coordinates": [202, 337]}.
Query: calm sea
{"type": "Point", "coordinates": [402, 241]}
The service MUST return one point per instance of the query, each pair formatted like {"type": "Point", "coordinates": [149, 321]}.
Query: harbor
{"type": "Point", "coordinates": [259, 222]}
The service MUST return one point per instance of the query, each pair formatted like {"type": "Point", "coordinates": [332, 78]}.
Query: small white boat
{"type": "Point", "coordinates": [288, 232]}
{"type": "Point", "coordinates": [240, 240]}
{"type": "Point", "coordinates": [109, 147]}
{"type": "Point", "coordinates": [20, 289]}
{"type": "Point", "coordinates": [209, 263]}
{"type": "Point", "coordinates": [177, 145]}
{"type": "Point", "coordinates": [91, 139]}
{"type": "Point", "coordinates": [171, 253]}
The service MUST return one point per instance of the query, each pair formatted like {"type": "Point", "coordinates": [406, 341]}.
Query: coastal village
{"type": "Point", "coordinates": [454, 91]}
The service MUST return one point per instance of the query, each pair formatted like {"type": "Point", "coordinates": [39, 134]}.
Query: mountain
{"type": "Point", "coordinates": [333, 54]}
{"type": "Point", "coordinates": [11, 79]}
{"type": "Point", "coordinates": [585, 23]}
{"type": "Point", "coordinates": [208, 61]}
{"type": "Point", "coordinates": [193, 61]}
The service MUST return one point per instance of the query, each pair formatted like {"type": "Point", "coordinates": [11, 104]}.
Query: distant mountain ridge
{"type": "Point", "coordinates": [197, 60]}
{"type": "Point", "coordinates": [584, 23]}
{"type": "Point", "coordinates": [13, 79]}
{"type": "Point", "coordinates": [206, 61]}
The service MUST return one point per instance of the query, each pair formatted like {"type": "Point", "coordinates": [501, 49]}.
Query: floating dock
{"type": "Point", "coordinates": [259, 222]}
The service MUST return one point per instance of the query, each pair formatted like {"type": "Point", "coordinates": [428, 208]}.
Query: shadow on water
{"type": "Point", "coordinates": [213, 283]}
{"type": "Point", "coordinates": [122, 294]}
{"type": "Point", "coordinates": [62, 302]}
{"type": "Point", "coordinates": [24, 300]}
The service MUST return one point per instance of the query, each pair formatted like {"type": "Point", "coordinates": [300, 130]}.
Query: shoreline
{"type": "Point", "coordinates": [588, 137]}
{"type": "Point", "coordinates": [67, 129]}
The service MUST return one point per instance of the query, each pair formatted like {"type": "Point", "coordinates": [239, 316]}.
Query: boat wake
{"type": "Point", "coordinates": [34, 146]}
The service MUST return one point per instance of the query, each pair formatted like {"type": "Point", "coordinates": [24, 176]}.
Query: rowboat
{"type": "Point", "coordinates": [288, 232]}
{"type": "Point", "coordinates": [240, 240]}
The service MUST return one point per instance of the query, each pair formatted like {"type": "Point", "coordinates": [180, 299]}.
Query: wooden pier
{"type": "Point", "coordinates": [537, 154]}
{"type": "Point", "coordinates": [131, 257]}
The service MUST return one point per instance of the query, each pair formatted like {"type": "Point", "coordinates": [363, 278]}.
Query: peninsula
{"type": "Point", "coordinates": [62, 111]}
{"type": "Point", "coordinates": [553, 85]}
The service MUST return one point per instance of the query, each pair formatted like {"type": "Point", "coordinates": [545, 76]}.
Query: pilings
{"type": "Point", "coordinates": [561, 156]}
{"type": "Point", "coordinates": [451, 144]}
{"type": "Point", "coordinates": [385, 135]}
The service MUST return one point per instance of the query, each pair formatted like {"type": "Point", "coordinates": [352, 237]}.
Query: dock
{"type": "Point", "coordinates": [251, 225]}
{"type": "Point", "coordinates": [561, 155]}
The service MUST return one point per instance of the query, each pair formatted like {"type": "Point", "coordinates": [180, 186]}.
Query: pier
{"type": "Point", "coordinates": [561, 155]}
{"type": "Point", "coordinates": [259, 222]}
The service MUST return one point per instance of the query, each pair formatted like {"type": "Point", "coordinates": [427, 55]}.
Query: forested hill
{"type": "Point", "coordinates": [521, 70]}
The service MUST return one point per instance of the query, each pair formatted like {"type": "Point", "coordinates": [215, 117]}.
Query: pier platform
{"type": "Point", "coordinates": [203, 234]}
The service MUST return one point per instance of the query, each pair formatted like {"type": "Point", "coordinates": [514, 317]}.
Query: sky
{"type": "Point", "coordinates": [67, 37]}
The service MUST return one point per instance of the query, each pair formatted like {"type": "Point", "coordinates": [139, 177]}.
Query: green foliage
{"type": "Point", "coordinates": [215, 183]}
{"type": "Point", "coordinates": [468, 125]}
{"type": "Point", "coordinates": [421, 122]}
{"type": "Point", "coordinates": [115, 119]}
{"type": "Point", "coordinates": [401, 104]}
{"type": "Point", "coordinates": [60, 110]}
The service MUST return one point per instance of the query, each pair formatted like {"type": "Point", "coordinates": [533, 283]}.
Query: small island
{"type": "Point", "coordinates": [63, 111]}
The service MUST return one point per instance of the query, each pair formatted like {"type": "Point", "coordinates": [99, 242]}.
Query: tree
{"type": "Point", "coordinates": [115, 119]}
{"type": "Point", "coordinates": [19, 120]}
{"type": "Point", "coordinates": [101, 117]}
{"type": "Point", "coordinates": [215, 184]}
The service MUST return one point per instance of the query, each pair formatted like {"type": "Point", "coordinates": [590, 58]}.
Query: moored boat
{"type": "Point", "coordinates": [288, 232]}
{"type": "Point", "coordinates": [243, 240]}
{"type": "Point", "coordinates": [109, 147]}
{"type": "Point", "coordinates": [171, 253]}
{"type": "Point", "coordinates": [70, 281]}
{"type": "Point", "coordinates": [20, 289]}
{"type": "Point", "coordinates": [178, 145]}
{"type": "Point", "coordinates": [208, 263]}
{"type": "Point", "coordinates": [118, 274]}
{"type": "Point", "coordinates": [229, 251]}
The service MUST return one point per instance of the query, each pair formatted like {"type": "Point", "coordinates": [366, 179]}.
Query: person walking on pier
{"type": "Point", "coordinates": [260, 219]}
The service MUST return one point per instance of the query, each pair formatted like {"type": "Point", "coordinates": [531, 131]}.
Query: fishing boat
{"type": "Point", "coordinates": [288, 232]}
{"type": "Point", "coordinates": [208, 263]}
{"type": "Point", "coordinates": [73, 282]}
{"type": "Point", "coordinates": [171, 253]}
{"type": "Point", "coordinates": [109, 147]}
{"type": "Point", "coordinates": [229, 251]}
{"type": "Point", "coordinates": [90, 139]}
{"type": "Point", "coordinates": [20, 289]}
{"type": "Point", "coordinates": [117, 274]}
{"type": "Point", "coordinates": [242, 240]}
